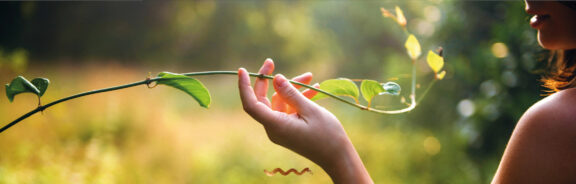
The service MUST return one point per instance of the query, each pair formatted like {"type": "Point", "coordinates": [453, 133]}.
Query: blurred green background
{"type": "Point", "coordinates": [139, 135]}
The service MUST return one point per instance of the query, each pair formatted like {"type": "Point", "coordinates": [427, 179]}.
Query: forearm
{"type": "Point", "coordinates": [346, 167]}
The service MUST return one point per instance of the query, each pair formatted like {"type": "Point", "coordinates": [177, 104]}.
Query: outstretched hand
{"type": "Point", "coordinates": [295, 122]}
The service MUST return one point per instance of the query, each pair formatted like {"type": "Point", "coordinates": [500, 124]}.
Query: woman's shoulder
{"type": "Point", "coordinates": [558, 110]}
{"type": "Point", "coordinates": [550, 125]}
{"type": "Point", "coordinates": [543, 144]}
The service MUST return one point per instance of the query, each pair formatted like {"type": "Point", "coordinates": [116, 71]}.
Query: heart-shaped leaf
{"type": "Point", "coordinates": [187, 84]}
{"type": "Point", "coordinates": [369, 89]}
{"type": "Point", "coordinates": [413, 47]}
{"type": "Point", "coordinates": [20, 85]}
{"type": "Point", "coordinates": [435, 61]}
{"type": "Point", "coordinates": [391, 88]}
{"type": "Point", "coordinates": [338, 87]}
{"type": "Point", "coordinates": [41, 84]}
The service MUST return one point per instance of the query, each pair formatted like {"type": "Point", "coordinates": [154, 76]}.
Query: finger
{"type": "Point", "coordinates": [304, 78]}
{"type": "Point", "coordinates": [261, 84]}
{"type": "Point", "coordinates": [246, 92]}
{"type": "Point", "coordinates": [258, 110]}
{"type": "Point", "coordinates": [278, 103]}
{"type": "Point", "coordinates": [309, 93]}
{"type": "Point", "coordinates": [293, 97]}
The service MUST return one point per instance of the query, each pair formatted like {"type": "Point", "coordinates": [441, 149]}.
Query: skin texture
{"type": "Point", "coordinates": [293, 121]}
{"type": "Point", "coordinates": [557, 31]}
{"type": "Point", "coordinates": [542, 148]}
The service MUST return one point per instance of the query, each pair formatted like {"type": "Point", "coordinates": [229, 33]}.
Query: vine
{"type": "Point", "coordinates": [285, 173]}
{"type": "Point", "coordinates": [333, 88]}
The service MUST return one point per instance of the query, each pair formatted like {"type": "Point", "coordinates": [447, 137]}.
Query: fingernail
{"type": "Point", "coordinates": [280, 81]}
{"type": "Point", "coordinates": [304, 74]}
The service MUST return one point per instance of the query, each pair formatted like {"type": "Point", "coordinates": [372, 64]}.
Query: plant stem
{"type": "Point", "coordinates": [41, 108]}
{"type": "Point", "coordinates": [426, 91]}
{"type": "Point", "coordinates": [271, 77]}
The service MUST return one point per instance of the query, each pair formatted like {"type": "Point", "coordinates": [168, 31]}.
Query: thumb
{"type": "Point", "coordinates": [293, 97]}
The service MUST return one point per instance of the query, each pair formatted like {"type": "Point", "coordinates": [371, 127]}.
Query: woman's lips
{"type": "Point", "coordinates": [537, 20]}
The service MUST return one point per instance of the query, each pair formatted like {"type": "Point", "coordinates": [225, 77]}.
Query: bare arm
{"type": "Point", "coordinates": [302, 126]}
{"type": "Point", "coordinates": [542, 148]}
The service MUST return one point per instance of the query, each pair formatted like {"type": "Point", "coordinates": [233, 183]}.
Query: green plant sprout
{"type": "Point", "coordinates": [333, 88]}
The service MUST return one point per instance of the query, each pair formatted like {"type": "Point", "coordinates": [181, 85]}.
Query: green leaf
{"type": "Point", "coordinates": [20, 85]}
{"type": "Point", "coordinates": [41, 84]}
{"type": "Point", "coordinates": [187, 84]}
{"type": "Point", "coordinates": [413, 47]}
{"type": "Point", "coordinates": [391, 88]}
{"type": "Point", "coordinates": [370, 88]}
{"type": "Point", "coordinates": [338, 87]}
{"type": "Point", "coordinates": [435, 61]}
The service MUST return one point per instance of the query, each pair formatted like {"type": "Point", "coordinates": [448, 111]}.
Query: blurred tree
{"type": "Point", "coordinates": [458, 132]}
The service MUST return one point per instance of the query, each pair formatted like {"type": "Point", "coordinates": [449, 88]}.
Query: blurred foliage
{"type": "Point", "coordinates": [456, 135]}
{"type": "Point", "coordinates": [16, 60]}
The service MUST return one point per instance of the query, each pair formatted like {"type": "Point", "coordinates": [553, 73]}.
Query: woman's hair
{"type": "Point", "coordinates": [570, 4]}
{"type": "Point", "coordinates": [561, 71]}
{"type": "Point", "coordinates": [561, 66]}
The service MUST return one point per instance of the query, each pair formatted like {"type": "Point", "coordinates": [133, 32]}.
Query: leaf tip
{"type": "Point", "coordinates": [391, 88]}
{"type": "Point", "coordinates": [441, 75]}
{"type": "Point", "coordinates": [189, 85]}
{"type": "Point", "coordinates": [387, 13]}
{"type": "Point", "coordinates": [9, 95]}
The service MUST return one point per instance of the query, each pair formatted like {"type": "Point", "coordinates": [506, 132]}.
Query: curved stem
{"type": "Point", "coordinates": [413, 101]}
{"type": "Point", "coordinates": [41, 108]}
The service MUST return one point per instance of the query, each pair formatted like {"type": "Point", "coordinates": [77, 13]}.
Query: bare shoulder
{"type": "Point", "coordinates": [543, 144]}
{"type": "Point", "coordinates": [557, 112]}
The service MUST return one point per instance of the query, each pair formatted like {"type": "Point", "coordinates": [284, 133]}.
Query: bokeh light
{"type": "Point", "coordinates": [456, 134]}
{"type": "Point", "coordinates": [499, 50]}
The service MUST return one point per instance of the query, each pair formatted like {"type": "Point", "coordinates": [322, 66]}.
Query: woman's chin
{"type": "Point", "coordinates": [555, 42]}
{"type": "Point", "coordinates": [546, 42]}
{"type": "Point", "coordinates": [555, 46]}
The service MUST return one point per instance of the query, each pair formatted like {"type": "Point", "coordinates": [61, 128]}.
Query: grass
{"type": "Point", "coordinates": [161, 135]}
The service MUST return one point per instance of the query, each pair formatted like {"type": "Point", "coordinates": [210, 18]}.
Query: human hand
{"type": "Point", "coordinates": [295, 122]}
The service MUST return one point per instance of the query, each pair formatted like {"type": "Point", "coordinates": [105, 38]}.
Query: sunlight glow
{"type": "Point", "coordinates": [499, 50]}
{"type": "Point", "coordinates": [431, 145]}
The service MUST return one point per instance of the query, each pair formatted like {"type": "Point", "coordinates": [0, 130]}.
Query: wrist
{"type": "Point", "coordinates": [345, 166]}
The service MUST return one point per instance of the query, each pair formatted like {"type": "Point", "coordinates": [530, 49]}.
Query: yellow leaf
{"type": "Point", "coordinates": [441, 75]}
{"type": "Point", "coordinates": [400, 17]}
{"type": "Point", "coordinates": [413, 47]}
{"type": "Point", "coordinates": [435, 61]}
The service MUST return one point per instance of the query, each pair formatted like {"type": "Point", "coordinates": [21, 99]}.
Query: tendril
{"type": "Point", "coordinates": [150, 81]}
{"type": "Point", "coordinates": [284, 173]}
